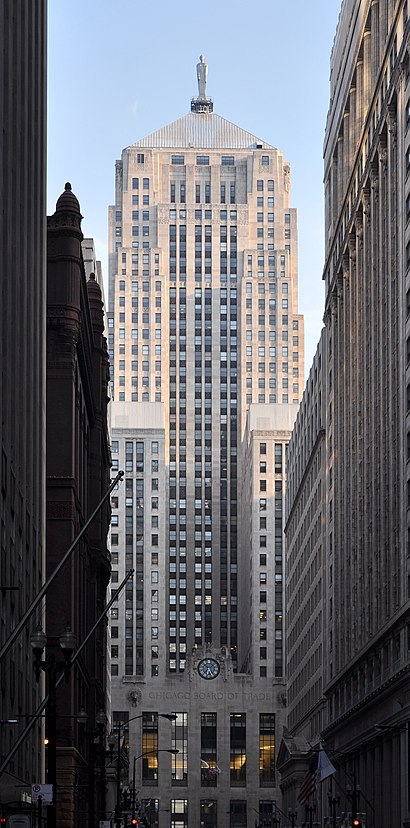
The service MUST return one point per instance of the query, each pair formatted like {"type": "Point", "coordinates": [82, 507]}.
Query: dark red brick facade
{"type": "Point", "coordinates": [78, 463]}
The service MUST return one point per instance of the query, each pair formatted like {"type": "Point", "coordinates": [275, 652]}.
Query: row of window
{"type": "Point", "coordinates": [208, 748]}
{"type": "Point", "coordinates": [203, 160]}
{"type": "Point", "coordinates": [208, 812]}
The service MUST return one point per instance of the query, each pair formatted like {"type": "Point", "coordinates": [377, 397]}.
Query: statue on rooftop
{"type": "Point", "coordinates": [202, 75]}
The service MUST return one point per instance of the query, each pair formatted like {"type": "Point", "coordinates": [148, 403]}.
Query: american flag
{"type": "Point", "coordinates": [308, 784]}
{"type": "Point", "coordinates": [124, 758]}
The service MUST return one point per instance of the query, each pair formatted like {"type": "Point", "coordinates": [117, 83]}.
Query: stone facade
{"type": "Point", "coordinates": [367, 323]}
{"type": "Point", "coordinates": [307, 642]}
{"type": "Point", "coordinates": [203, 322]}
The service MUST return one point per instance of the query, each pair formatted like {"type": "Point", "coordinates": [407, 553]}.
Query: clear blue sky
{"type": "Point", "coordinates": [119, 69]}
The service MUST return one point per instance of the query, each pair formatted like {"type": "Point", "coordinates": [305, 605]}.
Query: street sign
{"type": "Point", "coordinates": [43, 791]}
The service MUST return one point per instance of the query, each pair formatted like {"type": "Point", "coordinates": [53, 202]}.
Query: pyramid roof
{"type": "Point", "coordinates": [202, 131]}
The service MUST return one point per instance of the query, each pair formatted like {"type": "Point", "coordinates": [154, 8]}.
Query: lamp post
{"type": "Point", "coordinates": [267, 820]}
{"type": "Point", "coordinates": [134, 765]}
{"type": "Point", "coordinates": [172, 751]}
{"type": "Point", "coordinates": [52, 667]}
{"type": "Point", "coordinates": [117, 813]}
{"type": "Point", "coordinates": [334, 802]}
{"type": "Point", "coordinates": [96, 750]}
{"type": "Point", "coordinates": [354, 794]}
{"type": "Point", "coordinates": [293, 815]}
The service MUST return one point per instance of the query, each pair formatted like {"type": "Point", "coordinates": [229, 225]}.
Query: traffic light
{"type": "Point", "coordinates": [357, 823]}
{"type": "Point", "coordinates": [134, 821]}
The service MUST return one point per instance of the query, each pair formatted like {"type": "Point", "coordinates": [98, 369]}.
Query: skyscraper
{"type": "Point", "coordinates": [367, 310]}
{"type": "Point", "coordinates": [203, 324]}
{"type": "Point", "coordinates": [366, 496]}
{"type": "Point", "coordinates": [22, 359]}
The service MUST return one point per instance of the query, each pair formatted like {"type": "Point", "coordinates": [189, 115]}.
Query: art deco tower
{"type": "Point", "coordinates": [203, 321]}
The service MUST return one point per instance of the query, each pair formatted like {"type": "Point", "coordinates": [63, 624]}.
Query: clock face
{"type": "Point", "coordinates": [208, 668]}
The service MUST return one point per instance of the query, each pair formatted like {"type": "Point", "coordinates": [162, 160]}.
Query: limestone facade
{"type": "Point", "coordinates": [204, 326]}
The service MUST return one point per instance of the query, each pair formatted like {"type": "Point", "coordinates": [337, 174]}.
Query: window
{"type": "Point", "coordinates": [237, 749]}
{"type": "Point", "coordinates": [179, 742]}
{"type": "Point", "coordinates": [209, 811]}
{"type": "Point", "coordinates": [227, 160]}
{"type": "Point", "coordinates": [265, 160]}
{"type": "Point", "coordinates": [150, 746]}
{"type": "Point", "coordinates": [202, 160]}
{"type": "Point", "coordinates": [209, 748]}
{"type": "Point", "coordinates": [177, 159]}
{"type": "Point", "coordinates": [266, 748]}
{"type": "Point", "coordinates": [179, 813]}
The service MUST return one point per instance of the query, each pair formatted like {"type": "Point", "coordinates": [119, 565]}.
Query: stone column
{"type": "Point", "coordinates": [375, 41]}
{"type": "Point", "coordinates": [367, 68]}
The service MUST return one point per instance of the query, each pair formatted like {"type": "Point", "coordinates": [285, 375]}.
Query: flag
{"type": "Point", "coordinates": [308, 784]}
{"type": "Point", "coordinates": [324, 766]}
{"type": "Point", "coordinates": [124, 758]}
{"type": "Point", "coordinates": [215, 770]}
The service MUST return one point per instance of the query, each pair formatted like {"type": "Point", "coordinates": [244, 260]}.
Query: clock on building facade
{"type": "Point", "coordinates": [208, 668]}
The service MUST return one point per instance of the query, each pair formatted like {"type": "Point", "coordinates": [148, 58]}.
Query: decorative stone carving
{"type": "Point", "coordinates": [346, 266]}
{"type": "Point", "coordinates": [352, 246]}
{"type": "Point", "coordinates": [383, 157]}
{"type": "Point", "coordinates": [391, 119]}
{"type": "Point", "coordinates": [134, 697]}
{"type": "Point", "coordinates": [366, 202]}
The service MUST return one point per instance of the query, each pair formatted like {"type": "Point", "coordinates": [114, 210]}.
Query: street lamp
{"type": "Point", "coordinates": [172, 751]}
{"type": "Point", "coordinates": [52, 667]}
{"type": "Point", "coordinates": [171, 717]}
